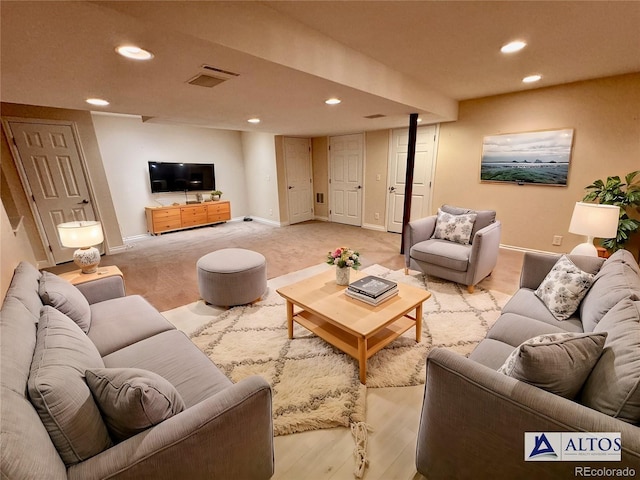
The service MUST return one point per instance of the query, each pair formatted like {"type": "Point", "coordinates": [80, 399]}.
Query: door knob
{"type": "Point", "coordinates": [290, 187]}
{"type": "Point", "coordinates": [83, 202]}
{"type": "Point", "coordinates": [392, 189]}
{"type": "Point", "coordinates": [359, 187]}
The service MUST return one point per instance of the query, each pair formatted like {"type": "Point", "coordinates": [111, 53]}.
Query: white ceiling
{"type": "Point", "coordinates": [380, 57]}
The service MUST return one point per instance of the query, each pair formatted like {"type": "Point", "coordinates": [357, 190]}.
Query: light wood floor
{"type": "Point", "coordinates": [162, 269]}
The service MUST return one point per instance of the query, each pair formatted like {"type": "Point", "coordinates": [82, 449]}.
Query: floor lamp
{"type": "Point", "coordinates": [83, 236]}
{"type": "Point", "coordinates": [593, 220]}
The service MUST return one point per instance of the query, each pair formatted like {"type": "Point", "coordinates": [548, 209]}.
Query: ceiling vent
{"type": "Point", "coordinates": [219, 70]}
{"type": "Point", "coordinates": [375, 115]}
{"type": "Point", "coordinates": [208, 81]}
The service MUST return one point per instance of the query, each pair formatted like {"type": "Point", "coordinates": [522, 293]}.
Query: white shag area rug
{"type": "Point", "coordinates": [315, 385]}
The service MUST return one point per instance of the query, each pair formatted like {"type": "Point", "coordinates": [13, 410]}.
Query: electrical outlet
{"type": "Point", "coordinates": [271, 212]}
{"type": "Point", "coordinates": [557, 240]}
{"type": "Point", "coordinates": [376, 216]}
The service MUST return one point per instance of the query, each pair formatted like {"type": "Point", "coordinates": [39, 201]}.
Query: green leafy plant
{"type": "Point", "coordinates": [624, 195]}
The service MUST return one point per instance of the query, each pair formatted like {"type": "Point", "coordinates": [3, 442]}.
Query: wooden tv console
{"type": "Point", "coordinates": [178, 217]}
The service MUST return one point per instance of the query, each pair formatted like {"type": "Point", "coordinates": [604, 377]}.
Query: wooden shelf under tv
{"type": "Point", "coordinates": [181, 216]}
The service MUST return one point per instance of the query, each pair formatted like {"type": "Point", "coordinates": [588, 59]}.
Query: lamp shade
{"type": "Point", "coordinates": [595, 220]}
{"type": "Point", "coordinates": [80, 234]}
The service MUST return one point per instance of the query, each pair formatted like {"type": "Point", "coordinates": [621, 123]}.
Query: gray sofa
{"type": "Point", "coordinates": [474, 417]}
{"type": "Point", "coordinates": [442, 253]}
{"type": "Point", "coordinates": [96, 384]}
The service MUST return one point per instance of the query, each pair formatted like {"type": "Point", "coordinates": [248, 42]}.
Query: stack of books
{"type": "Point", "coordinates": [372, 290]}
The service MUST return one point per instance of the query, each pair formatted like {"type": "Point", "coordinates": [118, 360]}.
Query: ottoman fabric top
{"type": "Point", "coordinates": [230, 260]}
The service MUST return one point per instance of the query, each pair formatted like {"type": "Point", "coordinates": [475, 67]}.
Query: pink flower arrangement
{"type": "Point", "coordinates": [344, 257]}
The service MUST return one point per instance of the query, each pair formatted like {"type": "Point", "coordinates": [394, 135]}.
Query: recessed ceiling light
{"type": "Point", "coordinates": [254, 120]}
{"type": "Point", "coordinates": [133, 52]}
{"type": "Point", "coordinates": [419, 120]}
{"type": "Point", "coordinates": [332, 101]}
{"type": "Point", "coordinates": [531, 78]}
{"type": "Point", "coordinates": [514, 46]}
{"type": "Point", "coordinates": [97, 101]}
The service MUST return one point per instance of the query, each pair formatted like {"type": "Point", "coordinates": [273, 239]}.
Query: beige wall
{"type": "Point", "coordinates": [320, 161]}
{"type": "Point", "coordinates": [604, 114]}
{"type": "Point", "coordinates": [376, 155]}
{"type": "Point", "coordinates": [96, 172]}
{"type": "Point", "coordinates": [15, 247]}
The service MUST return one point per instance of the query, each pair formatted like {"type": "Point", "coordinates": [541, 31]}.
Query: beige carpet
{"type": "Point", "coordinates": [314, 385]}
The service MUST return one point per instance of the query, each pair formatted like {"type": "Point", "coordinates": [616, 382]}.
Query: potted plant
{"type": "Point", "coordinates": [624, 195]}
{"type": "Point", "coordinates": [216, 194]}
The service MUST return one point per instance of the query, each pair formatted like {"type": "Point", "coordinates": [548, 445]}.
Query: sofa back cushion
{"type": "Point", "coordinates": [484, 218]}
{"type": "Point", "coordinates": [619, 278]}
{"type": "Point", "coordinates": [58, 390]}
{"type": "Point", "coordinates": [24, 287]}
{"type": "Point", "coordinates": [613, 387]}
{"type": "Point", "coordinates": [64, 296]}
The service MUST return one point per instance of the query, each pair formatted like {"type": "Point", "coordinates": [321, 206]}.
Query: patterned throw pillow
{"type": "Point", "coordinates": [563, 288]}
{"type": "Point", "coordinates": [557, 362]}
{"type": "Point", "coordinates": [455, 228]}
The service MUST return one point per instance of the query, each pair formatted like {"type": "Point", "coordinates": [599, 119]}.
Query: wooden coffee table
{"type": "Point", "coordinates": [354, 327]}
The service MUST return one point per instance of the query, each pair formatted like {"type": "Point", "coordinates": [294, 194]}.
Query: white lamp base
{"type": "Point", "coordinates": [87, 259]}
{"type": "Point", "coordinates": [586, 248]}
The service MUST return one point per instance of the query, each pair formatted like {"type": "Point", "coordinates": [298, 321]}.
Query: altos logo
{"type": "Point", "coordinates": [572, 446]}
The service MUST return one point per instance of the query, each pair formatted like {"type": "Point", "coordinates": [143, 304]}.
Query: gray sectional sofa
{"type": "Point", "coordinates": [474, 416]}
{"type": "Point", "coordinates": [96, 384]}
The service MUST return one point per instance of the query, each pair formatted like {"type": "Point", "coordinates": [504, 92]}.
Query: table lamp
{"type": "Point", "coordinates": [83, 235]}
{"type": "Point", "coordinates": [593, 220]}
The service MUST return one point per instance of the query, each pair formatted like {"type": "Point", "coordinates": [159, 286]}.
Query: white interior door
{"type": "Point", "coordinates": [422, 174]}
{"type": "Point", "coordinates": [297, 157]}
{"type": "Point", "coordinates": [50, 163]}
{"type": "Point", "coordinates": [345, 178]}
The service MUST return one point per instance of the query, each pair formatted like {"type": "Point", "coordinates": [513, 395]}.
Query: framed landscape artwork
{"type": "Point", "coordinates": [537, 158]}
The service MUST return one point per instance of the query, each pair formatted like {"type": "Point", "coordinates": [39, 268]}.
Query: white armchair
{"type": "Point", "coordinates": [449, 257]}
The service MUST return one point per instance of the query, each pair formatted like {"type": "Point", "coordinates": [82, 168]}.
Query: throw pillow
{"type": "Point", "coordinates": [58, 391]}
{"type": "Point", "coordinates": [613, 387]}
{"type": "Point", "coordinates": [63, 296]}
{"type": "Point", "coordinates": [557, 362]}
{"type": "Point", "coordinates": [455, 228]}
{"type": "Point", "coordinates": [563, 288]}
{"type": "Point", "coordinates": [132, 399]}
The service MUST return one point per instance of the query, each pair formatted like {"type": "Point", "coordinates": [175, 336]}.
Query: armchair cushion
{"type": "Point", "coordinates": [484, 218]}
{"type": "Point", "coordinates": [132, 399]}
{"type": "Point", "coordinates": [455, 228]}
{"type": "Point", "coordinates": [443, 253]}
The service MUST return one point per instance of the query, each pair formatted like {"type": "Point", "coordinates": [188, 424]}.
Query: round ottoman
{"type": "Point", "coordinates": [232, 276]}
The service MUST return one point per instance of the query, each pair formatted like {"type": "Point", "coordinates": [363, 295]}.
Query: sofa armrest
{"type": "Point", "coordinates": [474, 420]}
{"type": "Point", "coordinates": [417, 231]}
{"type": "Point", "coordinates": [484, 252]}
{"type": "Point", "coordinates": [103, 289]}
{"type": "Point", "coordinates": [228, 435]}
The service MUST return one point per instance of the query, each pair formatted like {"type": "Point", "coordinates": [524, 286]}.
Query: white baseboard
{"type": "Point", "coordinates": [321, 219]}
{"type": "Point", "coordinates": [266, 221]}
{"type": "Point", "coordinates": [531, 250]}
{"type": "Point", "coordinates": [371, 226]}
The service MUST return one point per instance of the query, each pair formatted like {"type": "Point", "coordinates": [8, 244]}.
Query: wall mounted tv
{"type": "Point", "coordinates": [181, 177]}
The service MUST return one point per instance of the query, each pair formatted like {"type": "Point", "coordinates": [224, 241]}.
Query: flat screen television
{"type": "Point", "coordinates": [181, 177]}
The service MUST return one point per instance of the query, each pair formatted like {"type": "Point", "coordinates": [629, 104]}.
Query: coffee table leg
{"type": "Point", "coordinates": [290, 319]}
{"type": "Point", "coordinates": [418, 323]}
{"type": "Point", "coordinates": [362, 359]}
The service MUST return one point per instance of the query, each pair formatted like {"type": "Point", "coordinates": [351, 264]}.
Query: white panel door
{"type": "Point", "coordinates": [345, 179]}
{"type": "Point", "coordinates": [423, 171]}
{"type": "Point", "coordinates": [49, 159]}
{"type": "Point", "coordinates": [297, 157]}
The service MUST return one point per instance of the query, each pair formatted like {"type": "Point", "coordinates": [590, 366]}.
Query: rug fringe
{"type": "Point", "coordinates": [360, 430]}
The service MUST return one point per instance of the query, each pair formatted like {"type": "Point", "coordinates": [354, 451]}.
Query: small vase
{"type": "Point", "coordinates": [342, 275]}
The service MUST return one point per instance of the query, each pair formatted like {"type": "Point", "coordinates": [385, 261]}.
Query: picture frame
{"type": "Point", "coordinates": [527, 158]}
